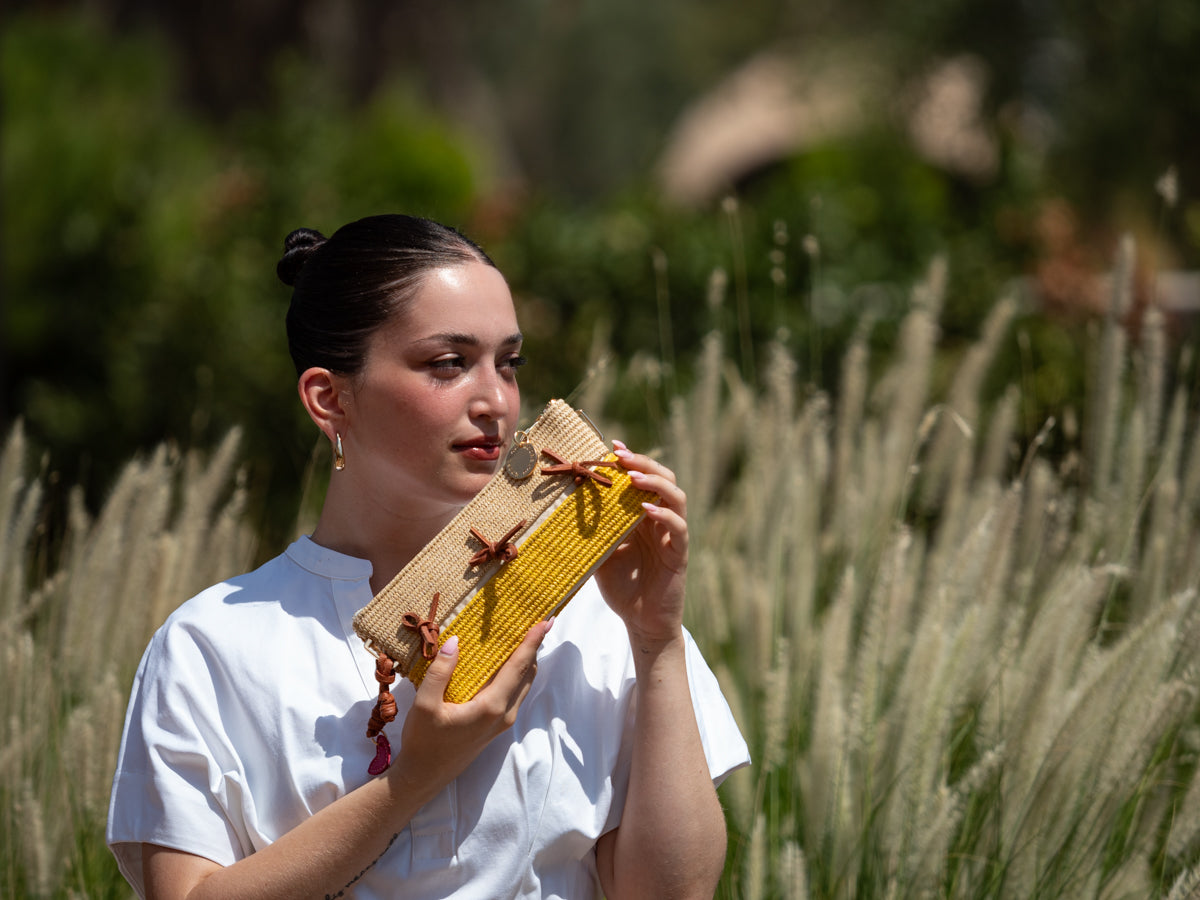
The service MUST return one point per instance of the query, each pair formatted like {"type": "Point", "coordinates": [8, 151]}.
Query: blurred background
{"type": "Point", "coordinates": [642, 172]}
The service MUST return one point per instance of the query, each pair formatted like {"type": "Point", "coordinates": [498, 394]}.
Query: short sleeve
{"type": "Point", "coordinates": [175, 769]}
{"type": "Point", "coordinates": [725, 749]}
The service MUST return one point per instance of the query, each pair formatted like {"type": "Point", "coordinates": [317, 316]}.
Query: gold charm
{"type": "Point", "coordinates": [522, 457]}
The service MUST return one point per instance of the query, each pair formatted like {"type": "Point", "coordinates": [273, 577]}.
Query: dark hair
{"type": "Point", "coordinates": [348, 285]}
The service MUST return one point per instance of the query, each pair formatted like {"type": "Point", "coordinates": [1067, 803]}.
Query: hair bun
{"type": "Point", "coordinates": [297, 248]}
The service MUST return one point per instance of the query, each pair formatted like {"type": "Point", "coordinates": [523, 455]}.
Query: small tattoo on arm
{"type": "Point", "coordinates": [371, 865]}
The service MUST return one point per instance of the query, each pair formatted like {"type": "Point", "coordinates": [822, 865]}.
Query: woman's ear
{"type": "Point", "coordinates": [322, 393]}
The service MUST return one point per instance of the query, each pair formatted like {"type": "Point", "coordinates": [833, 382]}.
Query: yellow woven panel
{"type": "Point", "coordinates": [553, 563]}
{"type": "Point", "coordinates": [442, 565]}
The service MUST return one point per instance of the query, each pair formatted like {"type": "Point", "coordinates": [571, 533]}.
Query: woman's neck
{"type": "Point", "coordinates": [389, 539]}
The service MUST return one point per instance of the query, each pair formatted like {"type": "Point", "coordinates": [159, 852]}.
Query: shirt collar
{"type": "Point", "coordinates": [319, 560]}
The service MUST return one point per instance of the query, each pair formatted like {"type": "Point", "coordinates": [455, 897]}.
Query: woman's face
{"type": "Point", "coordinates": [433, 410]}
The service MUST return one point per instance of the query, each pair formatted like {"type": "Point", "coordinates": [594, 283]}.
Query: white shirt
{"type": "Point", "coordinates": [249, 713]}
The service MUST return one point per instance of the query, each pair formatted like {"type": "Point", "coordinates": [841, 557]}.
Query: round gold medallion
{"type": "Point", "coordinates": [521, 460]}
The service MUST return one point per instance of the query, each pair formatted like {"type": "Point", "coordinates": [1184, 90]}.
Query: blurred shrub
{"type": "Point", "coordinates": [140, 299]}
{"type": "Point", "coordinates": [806, 253]}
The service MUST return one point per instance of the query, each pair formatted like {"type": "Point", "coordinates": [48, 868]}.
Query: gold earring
{"type": "Point", "coordinates": [339, 458]}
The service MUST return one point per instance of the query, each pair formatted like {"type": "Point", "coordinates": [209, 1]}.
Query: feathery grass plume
{"type": "Point", "coordinates": [1153, 369]}
{"type": "Point", "coordinates": [1168, 513]}
{"type": "Point", "coordinates": [707, 614]}
{"type": "Point", "coordinates": [770, 477]}
{"type": "Point", "coordinates": [717, 288]}
{"type": "Point", "coordinates": [739, 787]}
{"type": "Point", "coordinates": [102, 563]}
{"type": "Point", "coordinates": [754, 878]}
{"type": "Point", "coordinates": [796, 547]}
{"type": "Point", "coordinates": [824, 774]}
{"type": "Point", "coordinates": [1151, 585]}
{"type": "Point", "coordinates": [1190, 462]}
{"type": "Point", "coordinates": [996, 449]}
{"type": "Point", "coordinates": [1131, 881]}
{"type": "Point", "coordinates": [1107, 373]}
{"type": "Point", "coordinates": [957, 500]}
{"type": "Point", "coordinates": [1026, 700]}
{"type": "Point", "coordinates": [23, 704]}
{"type": "Point", "coordinates": [20, 504]}
{"type": "Point", "coordinates": [972, 559]}
{"type": "Point", "coordinates": [793, 872]}
{"type": "Point", "coordinates": [12, 483]}
{"type": "Point", "coordinates": [38, 861]}
{"type": "Point", "coordinates": [902, 394]}
{"type": "Point", "coordinates": [1186, 886]}
{"type": "Point", "coordinates": [707, 429]}
{"type": "Point", "coordinates": [929, 861]}
{"type": "Point", "coordinates": [94, 730]}
{"type": "Point", "coordinates": [934, 688]}
{"type": "Point", "coordinates": [705, 413]}
{"type": "Point", "coordinates": [1126, 762]}
{"type": "Point", "coordinates": [1128, 486]}
{"type": "Point", "coordinates": [885, 639]}
{"type": "Point", "coordinates": [884, 635]}
{"type": "Point", "coordinates": [943, 474]}
{"type": "Point", "coordinates": [792, 550]}
{"type": "Point", "coordinates": [19, 530]}
{"type": "Point", "coordinates": [1041, 495]}
{"type": "Point", "coordinates": [852, 395]}
{"type": "Point", "coordinates": [775, 703]}
{"type": "Point", "coordinates": [1059, 816]}
{"type": "Point", "coordinates": [985, 608]}
{"type": "Point", "coordinates": [1183, 838]}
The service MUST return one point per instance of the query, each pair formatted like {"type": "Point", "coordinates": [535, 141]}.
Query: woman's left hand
{"type": "Point", "coordinates": [643, 580]}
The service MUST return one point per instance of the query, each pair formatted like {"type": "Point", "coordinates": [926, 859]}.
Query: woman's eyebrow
{"type": "Point", "coordinates": [468, 340]}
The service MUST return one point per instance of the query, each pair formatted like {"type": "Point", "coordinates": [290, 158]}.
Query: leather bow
{"type": "Point", "coordinates": [501, 549]}
{"type": "Point", "coordinates": [578, 470]}
{"type": "Point", "coordinates": [427, 628]}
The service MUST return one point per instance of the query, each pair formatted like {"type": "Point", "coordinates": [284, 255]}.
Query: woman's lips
{"type": "Point", "coordinates": [482, 451]}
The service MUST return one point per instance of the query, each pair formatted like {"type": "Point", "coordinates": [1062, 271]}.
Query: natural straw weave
{"type": "Point", "coordinates": [442, 565]}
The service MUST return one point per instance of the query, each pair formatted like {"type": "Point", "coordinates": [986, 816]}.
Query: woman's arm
{"type": "Point", "coordinates": [671, 840]}
{"type": "Point", "coordinates": [326, 854]}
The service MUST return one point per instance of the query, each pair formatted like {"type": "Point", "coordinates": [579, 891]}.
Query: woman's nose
{"type": "Point", "coordinates": [491, 399]}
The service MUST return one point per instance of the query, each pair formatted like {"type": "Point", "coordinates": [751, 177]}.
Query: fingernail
{"type": "Point", "coordinates": [550, 623]}
{"type": "Point", "coordinates": [650, 507]}
{"type": "Point", "coordinates": [451, 645]}
{"type": "Point", "coordinates": [621, 450]}
{"type": "Point", "coordinates": [635, 475]}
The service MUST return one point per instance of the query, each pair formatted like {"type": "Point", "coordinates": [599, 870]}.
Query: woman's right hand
{"type": "Point", "coordinates": [440, 739]}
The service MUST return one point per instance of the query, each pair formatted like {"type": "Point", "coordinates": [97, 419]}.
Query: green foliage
{"type": "Point", "coordinates": [140, 297]}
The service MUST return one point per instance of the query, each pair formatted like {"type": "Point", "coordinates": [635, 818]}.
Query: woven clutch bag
{"type": "Point", "coordinates": [512, 556]}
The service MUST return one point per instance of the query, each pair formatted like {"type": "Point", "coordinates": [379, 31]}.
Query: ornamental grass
{"type": "Point", "coordinates": [965, 669]}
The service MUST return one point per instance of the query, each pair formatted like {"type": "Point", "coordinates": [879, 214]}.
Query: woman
{"type": "Point", "coordinates": [580, 767]}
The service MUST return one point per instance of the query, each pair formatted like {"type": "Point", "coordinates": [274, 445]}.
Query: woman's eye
{"type": "Point", "coordinates": [515, 362]}
{"type": "Point", "coordinates": [448, 364]}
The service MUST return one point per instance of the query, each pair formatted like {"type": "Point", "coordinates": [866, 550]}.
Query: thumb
{"type": "Point", "coordinates": [437, 676]}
